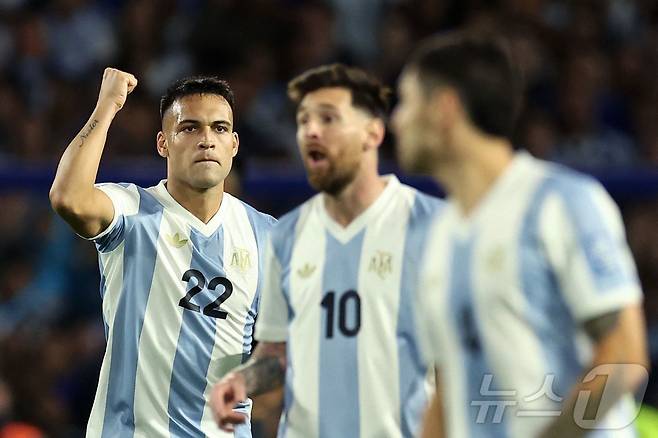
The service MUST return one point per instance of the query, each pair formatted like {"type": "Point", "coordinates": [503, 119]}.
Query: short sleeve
{"type": "Point", "coordinates": [583, 234]}
{"type": "Point", "coordinates": [272, 325]}
{"type": "Point", "coordinates": [125, 200]}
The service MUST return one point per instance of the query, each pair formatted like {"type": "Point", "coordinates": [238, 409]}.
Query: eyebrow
{"type": "Point", "coordinates": [196, 122]}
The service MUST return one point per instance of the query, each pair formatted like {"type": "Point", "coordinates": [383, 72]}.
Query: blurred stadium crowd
{"type": "Point", "coordinates": [592, 102]}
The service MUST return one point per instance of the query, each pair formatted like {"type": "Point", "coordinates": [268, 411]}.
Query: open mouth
{"type": "Point", "coordinates": [316, 156]}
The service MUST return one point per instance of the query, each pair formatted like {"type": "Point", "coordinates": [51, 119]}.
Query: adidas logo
{"type": "Point", "coordinates": [306, 270]}
{"type": "Point", "coordinates": [176, 240]}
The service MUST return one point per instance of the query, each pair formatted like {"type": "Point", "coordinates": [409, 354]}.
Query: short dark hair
{"type": "Point", "coordinates": [196, 85]}
{"type": "Point", "coordinates": [368, 93]}
{"type": "Point", "coordinates": [480, 68]}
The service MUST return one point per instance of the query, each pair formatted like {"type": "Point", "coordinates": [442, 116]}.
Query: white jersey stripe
{"type": "Point", "coordinates": [158, 341]}
{"type": "Point", "coordinates": [304, 324]}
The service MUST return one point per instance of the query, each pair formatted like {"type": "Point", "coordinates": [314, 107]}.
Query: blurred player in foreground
{"type": "Point", "coordinates": [528, 283]}
{"type": "Point", "coordinates": [336, 321]}
{"type": "Point", "coordinates": [180, 262]}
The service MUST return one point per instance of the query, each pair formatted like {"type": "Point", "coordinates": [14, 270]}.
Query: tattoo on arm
{"type": "Point", "coordinates": [87, 131]}
{"type": "Point", "coordinates": [266, 370]}
{"type": "Point", "coordinates": [263, 374]}
{"type": "Point", "coordinates": [599, 327]}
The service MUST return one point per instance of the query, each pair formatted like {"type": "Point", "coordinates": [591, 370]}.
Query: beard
{"type": "Point", "coordinates": [334, 179]}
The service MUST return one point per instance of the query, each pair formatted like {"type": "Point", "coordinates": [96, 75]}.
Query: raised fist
{"type": "Point", "coordinates": [115, 88]}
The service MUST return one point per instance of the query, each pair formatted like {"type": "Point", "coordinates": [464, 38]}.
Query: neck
{"type": "Point", "coordinates": [355, 198]}
{"type": "Point", "coordinates": [202, 203]}
{"type": "Point", "coordinates": [468, 178]}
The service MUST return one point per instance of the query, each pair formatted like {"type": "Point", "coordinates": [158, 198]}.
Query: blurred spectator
{"type": "Point", "coordinates": [81, 38]}
{"type": "Point", "coordinates": [586, 140]}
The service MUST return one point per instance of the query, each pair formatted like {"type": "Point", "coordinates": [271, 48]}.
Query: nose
{"type": "Point", "coordinates": [206, 141]}
{"type": "Point", "coordinates": [311, 130]}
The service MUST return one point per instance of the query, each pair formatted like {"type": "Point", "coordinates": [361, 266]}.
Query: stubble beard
{"type": "Point", "coordinates": [333, 181]}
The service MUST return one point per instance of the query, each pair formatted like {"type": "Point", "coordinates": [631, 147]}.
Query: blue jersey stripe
{"type": "Point", "coordinates": [195, 340]}
{"type": "Point", "coordinates": [547, 311]}
{"type": "Point", "coordinates": [260, 225]}
{"type": "Point", "coordinates": [339, 367]}
{"type": "Point", "coordinates": [113, 239]}
{"type": "Point", "coordinates": [103, 286]}
{"type": "Point", "coordinates": [410, 364]}
{"type": "Point", "coordinates": [594, 236]}
{"type": "Point", "coordinates": [465, 320]}
{"type": "Point", "coordinates": [139, 264]}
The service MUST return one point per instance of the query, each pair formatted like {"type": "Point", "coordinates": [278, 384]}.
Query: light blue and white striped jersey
{"type": "Point", "coordinates": [342, 299]}
{"type": "Point", "coordinates": [179, 302]}
{"type": "Point", "coordinates": [505, 293]}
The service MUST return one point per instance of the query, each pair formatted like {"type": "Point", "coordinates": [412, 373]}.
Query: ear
{"type": "Point", "coordinates": [236, 143]}
{"type": "Point", "coordinates": [375, 132]}
{"type": "Point", "coordinates": [161, 143]}
{"type": "Point", "coordinates": [446, 108]}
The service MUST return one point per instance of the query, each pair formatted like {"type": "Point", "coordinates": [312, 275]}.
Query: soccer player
{"type": "Point", "coordinates": [336, 319]}
{"type": "Point", "coordinates": [528, 283]}
{"type": "Point", "coordinates": [180, 262]}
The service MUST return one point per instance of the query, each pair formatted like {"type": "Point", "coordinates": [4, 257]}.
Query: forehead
{"type": "Point", "coordinates": [337, 97]}
{"type": "Point", "coordinates": [202, 107]}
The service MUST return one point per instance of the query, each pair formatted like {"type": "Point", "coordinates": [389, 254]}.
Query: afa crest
{"type": "Point", "coordinates": [241, 259]}
{"type": "Point", "coordinates": [381, 264]}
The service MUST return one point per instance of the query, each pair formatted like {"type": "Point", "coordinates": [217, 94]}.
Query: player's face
{"type": "Point", "coordinates": [331, 134]}
{"type": "Point", "coordinates": [417, 142]}
{"type": "Point", "coordinates": [198, 140]}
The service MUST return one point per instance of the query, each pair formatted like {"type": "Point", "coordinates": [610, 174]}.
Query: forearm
{"type": "Point", "coordinates": [262, 375]}
{"type": "Point", "coordinates": [78, 167]}
{"type": "Point", "coordinates": [433, 419]}
{"type": "Point", "coordinates": [266, 369]}
{"type": "Point", "coordinates": [618, 367]}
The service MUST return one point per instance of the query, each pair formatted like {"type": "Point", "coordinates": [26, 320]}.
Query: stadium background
{"type": "Point", "coordinates": [591, 103]}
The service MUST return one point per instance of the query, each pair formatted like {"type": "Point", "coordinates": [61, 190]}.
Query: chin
{"type": "Point", "coordinates": [332, 185]}
{"type": "Point", "coordinates": [206, 182]}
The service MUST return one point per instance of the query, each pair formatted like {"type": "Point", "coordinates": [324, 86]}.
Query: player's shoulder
{"type": "Point", "coordinates": [125, 196]}
{"type": "Point", "coordinates": [288, 225]}
{"type": "Point", "coordinates": [288, 222]}
{"type": "Point", "coordinates": [256, 217]}
{"type": "Point", "coordinates": [562, 179]}
{"type": "Point", "coordinates": [567, 192]}
{"type": "Point", "coordinates": [422, 204]}
{"type": "Point", "coordinates": [122, 188]}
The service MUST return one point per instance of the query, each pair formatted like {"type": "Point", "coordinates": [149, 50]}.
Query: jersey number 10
{"type": "Point", "coordinates": [349, 298]}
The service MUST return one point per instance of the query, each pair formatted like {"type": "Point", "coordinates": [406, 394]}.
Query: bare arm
{"type": "Point", "coordinates": [619, 339]}
{"type": "Point", "coordinates": [73, 195]}
{"type": "Point", "coordinates": [266, 411]}
{"type": "Point", "coordinates": [264, 372]}
{"type": "Point", "coordinates": [433, 420]}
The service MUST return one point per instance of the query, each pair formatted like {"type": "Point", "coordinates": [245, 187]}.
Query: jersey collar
{"type": "Point", "coordinates": [169, 202]}
{"type": "Point", "coordinates": [345, 234]}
